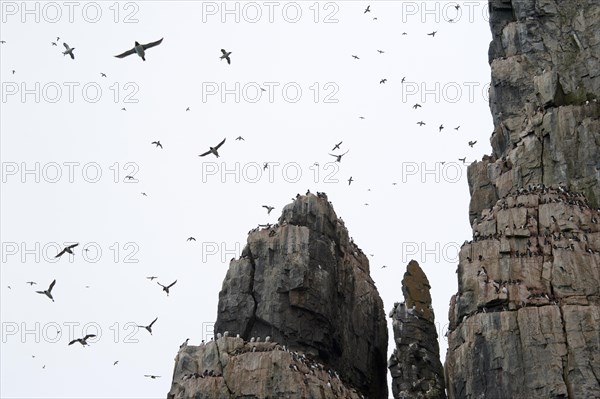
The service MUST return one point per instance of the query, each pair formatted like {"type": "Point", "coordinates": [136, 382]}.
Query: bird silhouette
{"type": "Point", "coordinates": [151, 278]}
{"type": "Point", "coordinates": [368, 9]}
{"type": "Point", "coordinates": [191, 239]}
{"type": "Point", "coordinates": [355, 57]}
{"type": "Point", "coordinates": [157, 143]}
{"type": "Point", "coordinates": [339, 157]}
{"type": "Point", "coordinates": [213, 150]}
{"type": "Point", "coordinates": [350, 180]}
{"type": "Point", "coordinates": [69, 50]}
{"type": "Point", "coordinates": [152, 376]}
{"type": "Point", "coordinates": [31, 283]}
{"type": "Point", "coordinates": [102, 74]}
{"type": "Point", "coordinates": [48, 292]}
{"type": "Point", "coordinates": [68, 249]}
{"type": "Point", "coordinates": [166, 288]}
{"type": "Point", "coordinates": [337, 146]}
{"type": "Point", "coordinates": [226, 55]}
{"type": "Point", "coordinates": [432, 34]}
{"type": "Point", "coordinates": [382, 81]}
{"type": "Point", "coordinates": [140, 49]}
{"type": "Point", "coordinates": [421, 123]}
{"type": "Point", "coordinates": [268, 208]}
{"type": "Point", "coordinates": [240, 138]}
{"type": "Point", "coordinates": [441, 127]}
{"type": "Point", "coordinates": [82, 341]}
{"type": "Point", "coordinates": [417, 106]}
{"type": "Point", "coordinates": [149, 326]}
{"type": "Point", "coordinates": [472, 143]}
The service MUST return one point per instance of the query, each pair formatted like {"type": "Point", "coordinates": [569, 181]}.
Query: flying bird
{"type": "Point", "coordinates": [31, 283]}
{"type": "Point", "coordinates": [472, 143]}
{"type": "Point", "coordinates": [115, 363]}
{"type": "Point", "coordinates": [361, 117]}
{"type": "Point", "coordinates": [166, 288]}
{"type": "Point", "coordinates": [226, 55]}
{"type": "Point", "coordinates": [82, 341]}
{"type": "Point", "coordinates": [102, 74]}
{"type": "Point", "coordinates": [457, 127]}
{"type": "Point", "coordinates": [268, 208]}
{"type": "Point", "coordinates": [144, 194]}
{"type": "Point", "coordinates": [339, 157]}
{"type": "Point", "coordinates": [191, 239]}
{"type": "Point", "coordinates": [441, 127]}
{"type": "Point", "coordinates": [380, 51]}
{"type": "Point", "coordinates": [463, 159]}
{"type": "Point", "coordinates": [421, 123]}
{"type": "Point", "coordinates": [355, 57]}
{"type": "Point", "coordinates": [240, 138]}
{"type": "Point", "coordinates": [187, 109]}
{"type": "Point", "coordinates": [337, 146]}
{"type": "Point", "coordinates": [54, 43]}
{"type": "Point", "coordinates": [213, 150]}
{"type": "Point", "coordinates": [368, 9]}
{"type": "Point", "coordinates": [417, 106]}
{"type": "Point", "coordinates": [151, 376]}
{"type": "Point", "coordinates": [151, 278]}
{"type": "Point", "coordinates": [2, 41]}
{"type": "Point", "coordinates": [140, 49]}
{"type": "Point", "coordinates": [157, 143]}
{"type": "Point", "coordinates": [350, 180]}
{"type": "Point", "coordinates": [123, 109]}
{"type": "Point", "coordinates": [382, 81]}
{"type": "Point", "coordinates": [432, 34]}
{"type": "Point", "coordinates": [69, 51]}
{"type": "Point", "coordinates": [149, 327]}
{"type": "Point", "coordinates": [68, 249]}
{"type": "Point", "coordinates": [48, 292]}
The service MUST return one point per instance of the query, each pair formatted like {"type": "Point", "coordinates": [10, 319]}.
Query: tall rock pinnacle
{"type": "Point", "coordinates": [525, 322]}
{"type": "Point", "coordinates": [305, 284]}
{"type": "Point", "coordinates": [415, 363]}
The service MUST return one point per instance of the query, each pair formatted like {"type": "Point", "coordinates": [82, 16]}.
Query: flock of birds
{"type": "Point", "coordinates": [141, 51]}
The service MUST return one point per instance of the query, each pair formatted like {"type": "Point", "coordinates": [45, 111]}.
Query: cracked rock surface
{"type": "Point", "coordinates": [304, 283]}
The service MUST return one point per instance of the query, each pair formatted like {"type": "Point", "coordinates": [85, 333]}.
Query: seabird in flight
{"type": "Point", "coordinates": [368, 9]}
{"type": "Point", "coordinates": [31, 283]}
{"type": "Point", "coordinates": [350, 180]}
{"type": "Point", "coordinates": [191, 239]}
{"type": "Point", "coordinates": [151, 278]}
{"type": "Point", "coordinates": [380, 51]}
{"type": "Point", "coordinates": [68, 249]}
{"type": "Point", "coordinates": [149, 327]}
{"type": "Point", "coordinates": [382, 81]}
{"type": "Point", "coordinates": [140, 49]}
{"type": "Point", "coordinates": [213, 150]}
{"type": "Point", "coordinates": [268, 208]}
{"type": "Point", "coordinates": [441, 127]}
{"type": "Point", "coordinates": [421, 123]}
{"type": "Point", "coordinates": [432, 34]}
{"type": "Point", "coordinates": [355, 57]}
{"type": "Point", "coordinates": [457, 127]}
{"type": "Point", "coordinates": [166, 288]}
{"type": "Point", "coordinates": [226, 55]}
{"type": "Point", "coordinates": [463, 159]}
{"type": "Point", "coordinates": [240, 138]}
{"type": "Point", "coordinates": [337, 146]}
{"type": "Point", "coordinates": [69, 51]}
{"type": "Point", "coordinates": [102, 74]}
{"type": "Point", "coordinates": [157, 143]}
{"type": "Point", "coordinates": [48, 292]}
{"type": "Point", "coordinates": [115, 363]}
{"type": "Point", "coordinates": [144, 194]}
{"type": "Point", "coordinates": [416, 106]}
{"type": "Point", "coordinates": [82, 341]}
{"type": "Point", "coordinates": [339, 157]}
{"type": "Point", "coordinates": [151, 376]}
{"type": "Point", "coordinates": [472, 143]}
{"type": "Point", "coordinates": [54, 44]}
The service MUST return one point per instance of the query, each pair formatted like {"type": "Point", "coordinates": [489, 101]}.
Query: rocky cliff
{"type": "Point", "coordinates": [305, 284]}
{"type": "Point", "coordinates": [415, 363]}
{"type": "Point", "coordinates": [525, 322]}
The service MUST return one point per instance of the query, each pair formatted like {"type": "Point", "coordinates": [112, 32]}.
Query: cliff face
{"type": "Point", "coordinates": [415, 363]}
{"type": "Point", "coordinates": [306, 285]}
{"type": "Point", "coordinates": [544, 93]}
{"type": "Point", "coordinates": [526, 319]}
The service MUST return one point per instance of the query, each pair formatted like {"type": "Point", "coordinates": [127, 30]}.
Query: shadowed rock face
{"type": "Point", "coordinates": [304, 283]}
{"type": "Point", "coordinates": [415, 363]}
{"type": "Point", "coordinates": [525, 322]}
{"type": "Point", "coordinates": [544, 98]}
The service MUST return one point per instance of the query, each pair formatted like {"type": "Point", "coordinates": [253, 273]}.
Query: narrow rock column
{"type": "Point", "coordinates": [415, 364]}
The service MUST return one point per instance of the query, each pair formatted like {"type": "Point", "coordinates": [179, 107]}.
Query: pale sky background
{"type": "Point", "coordinates": [424, 217]}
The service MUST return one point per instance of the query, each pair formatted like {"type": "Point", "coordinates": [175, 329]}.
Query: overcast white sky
{"type": "Point", "coordinates": [60, 116]}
